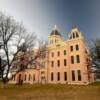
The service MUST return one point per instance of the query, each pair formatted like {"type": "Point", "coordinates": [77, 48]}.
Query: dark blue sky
{"type": "Point", "coordinates": [85, 14]}
{"type": "Point", "coordinates": [40, 16]}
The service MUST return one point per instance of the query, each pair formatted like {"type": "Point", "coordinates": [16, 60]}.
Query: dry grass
{"type": "Point", "coordinates": [50, 92]}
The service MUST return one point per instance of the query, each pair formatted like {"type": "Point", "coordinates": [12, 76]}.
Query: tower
{"type": "Point", "coordinates": [78, 64]}
{"type": "Point", "coordinates": [54, 37]}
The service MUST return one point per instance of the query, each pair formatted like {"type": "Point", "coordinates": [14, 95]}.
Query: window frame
{"type": "Point", "coordinates": [71, 48]}
{"type": "Point", "coordinates": [78, 58]}
{"type": "Point", "coordinates": [77, 47]}
{"type": "Point", "coordinates": [52, 76]}
{"type": "Point", "coordinates": [65, 76]}
{"type": "Point", "coordinates": [73, 75]}
{"type": "Point", "coordinates": [58, 63]}
{"type": "Point", "coordinates": [65, 62]}
{"type": "Point", "coordinates": [79, 75]}
{"type": "Point", "coordinates": [58, 76]}
{"type": "Point", "coordinates": [72, 59]}
{"type": "Point", "coordinates": [65, 52]}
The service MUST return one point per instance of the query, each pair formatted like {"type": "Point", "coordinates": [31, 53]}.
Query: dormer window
{"type": "Point", "coordinates": [77, 35]}
{"type": "Point", "coordinates": [73, 35]}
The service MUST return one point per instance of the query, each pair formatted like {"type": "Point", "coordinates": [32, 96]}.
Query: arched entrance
{"type": "Point", "coordinates": [20, 79]}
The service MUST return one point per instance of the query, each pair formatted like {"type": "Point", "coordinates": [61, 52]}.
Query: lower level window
{"type": "Point", "coordinates": [29, 77]}
{"type": "Point", "coordinates": [79, 75]}
{"type": "Point", "coordinates": [73, 75]}
{"type": "Point", "coordinates": [65, 76]}
{"type": "Point", "coordinates": [25, 77]}
{"type": "Point", "coordinates": [52, 76]}
{"type": "Point", "coordinates": [33, 77]}
{"type": "Point", "coordinates": [58, 76]}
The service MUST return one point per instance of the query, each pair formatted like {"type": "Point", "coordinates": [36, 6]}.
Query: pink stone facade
{"type": "Point", "coordinates": [66, 62]}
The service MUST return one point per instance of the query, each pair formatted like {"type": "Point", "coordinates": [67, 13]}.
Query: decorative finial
{"type": "Point", "coordinates": [55, 27]}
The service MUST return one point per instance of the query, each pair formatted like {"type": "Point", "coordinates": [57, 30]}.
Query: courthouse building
{"type": "Point", "coordinates": [67, 61]}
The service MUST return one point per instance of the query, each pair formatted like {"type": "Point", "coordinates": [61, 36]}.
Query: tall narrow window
{"type": "Point", "coordinates": [71, 48]}
{"type": "Point", "coordinates": [64, 52]}
{"type": "Point", "coordinates": [52, 63]}
{"type": "Point", "coordinates": [58, 53]}
{"type": "Point", "coordinates": [72, 59]}
{"type": "Point", "coordinates": [29, 77]}
{"type": "Point", "coordinates": [65, 62]}
{"type": "Point", "coordinates": [73, 75]}
{"type": "Point", "coordinates": [65, 76]}
{"type": "Point", "coordinates": [78, 58]}
{"type": "Point", "coordinates": [79, 75]}
{"type": "Point", "coordinates": [25, 77]}
{"type": "Point", "coordinates": [77, 35]}
{"type": "Point", "coordinates": [73, 35]}
{"type": "Point", "coordinates": [58, 63]}
{"type": "Point", "coordinates": [33, 77]}
{"type": "Point", "coordinates": [58, 76]}
{"type": "Point", "coordinates": [77, 47]}
{"type": "Point", "coordinates": [52, 54]}
{"type": "Point", "coordinates": [52, 76]}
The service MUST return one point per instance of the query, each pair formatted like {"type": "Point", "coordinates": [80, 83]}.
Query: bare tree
{"type": "Point", "coordinates": [29, 60]}
{"type": "Point", "coordinates": [12, 33]}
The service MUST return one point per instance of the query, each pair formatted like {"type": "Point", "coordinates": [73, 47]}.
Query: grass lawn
{"type": "Point", "coordinates": [51, 92]}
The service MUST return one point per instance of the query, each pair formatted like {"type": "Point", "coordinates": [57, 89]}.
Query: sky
{"type": "Point", "coordinates": [40, 16]}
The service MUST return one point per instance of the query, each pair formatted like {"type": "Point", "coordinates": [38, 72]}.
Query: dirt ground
{"type": "Point", "coordinates": [50, 92]}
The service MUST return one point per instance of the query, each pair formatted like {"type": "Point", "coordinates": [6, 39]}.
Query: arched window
{"type": "Point", "coordinates": [25, 77]}
{"type": "Point", "coordinates": [52, 76]}
{"type": "Point", "coordinates": [79, 75]}
{"type": "Point", "coordinates": [29, 77]}
{"type": "Point", "coordinates": [77, 35]}
{"type": "Point", "coordinates": [72, 59]}
{"type": "Point", "coordinates": [65, 76]}
{"type": "Point", "coordinates": [73, 35]}
{"type": "Point", "coordinates": [71, 48]}
{"type": "Point", "coordinates": [78, 58]}
{"type": "Point", "coordinates": [33, 77]}
{"type": "Point", "coordinates": [58, 63]}
{"type": "Point", "coordinates": [65, 62]}
{"type": "Point", "coordinates": [20, 76]}
{"type": "Point", "coordinates": [58, 76]}
{"type": "Point", "coordinates": [73, 75]}
{"type": "Point", "coordinates": [77, 47]}
{"type": "Point", "coordinates": [64, 52]}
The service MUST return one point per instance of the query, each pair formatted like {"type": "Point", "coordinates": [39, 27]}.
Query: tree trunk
{"type": "Point", "coordinates": [4, 84]}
